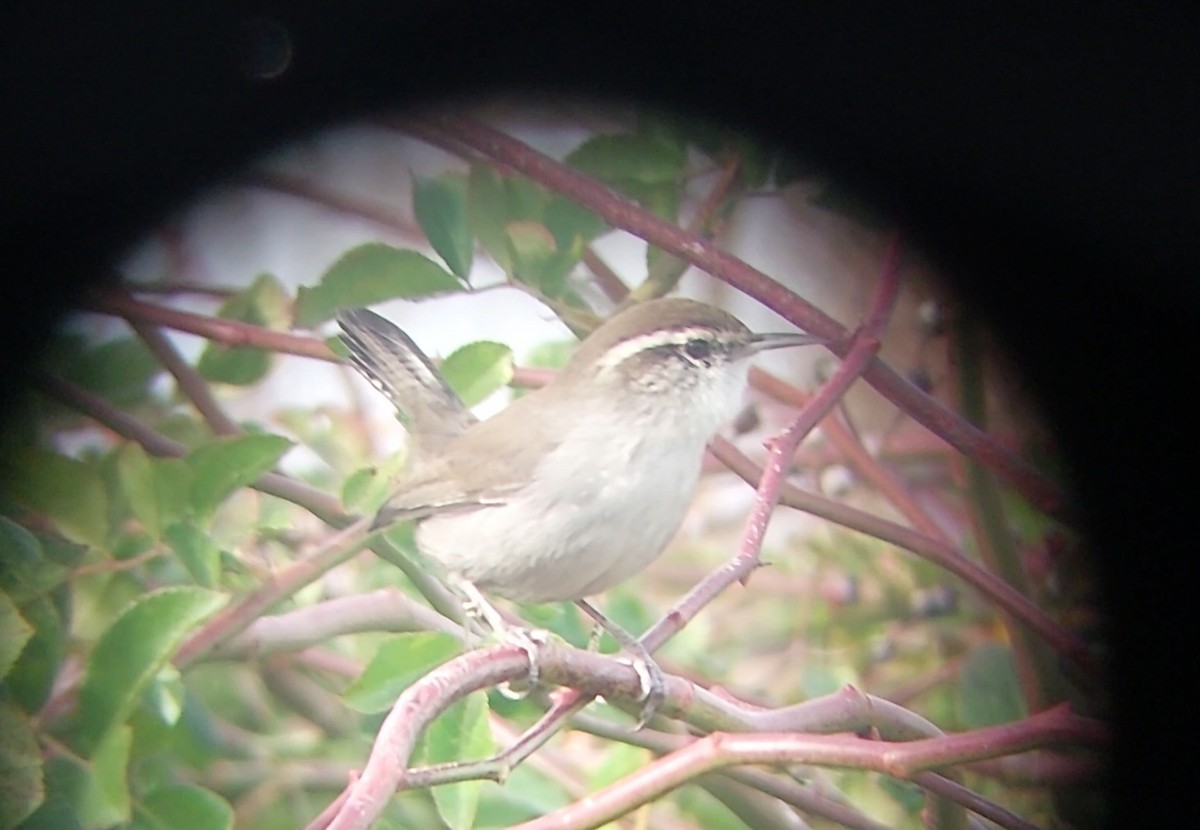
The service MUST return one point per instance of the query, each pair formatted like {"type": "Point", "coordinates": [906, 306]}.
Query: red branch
{"type": "Point", "coordinates": [902, 760]}
{"type": "Point", "coordinates": [624, 214]}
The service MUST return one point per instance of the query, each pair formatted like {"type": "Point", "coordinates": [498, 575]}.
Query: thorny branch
{"type": "Point", "coordinates": [482, 669]}
{"type": "Point", "coordinates": [624, 214]}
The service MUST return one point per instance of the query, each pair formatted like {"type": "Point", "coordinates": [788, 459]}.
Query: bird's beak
{"type": "Point", "coordinates": [763, 342]}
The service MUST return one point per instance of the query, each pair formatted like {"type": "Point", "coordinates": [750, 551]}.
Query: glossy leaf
{"type": "Point", "coordinates": [183, 805]}
{"type": "Point", "coordinates": [571, 223]}
{"type": "Point", "coordinates": [478, 369]}
{"type": "Point", "coordinates": [488, 212]}
{"type": "Point", "coordinates": [398, 662]}
{"type": "Point", "coordinates": [629, 157]}
{"type": "Point", "coordinates": [535, 235]}
{"type": "Point", "coordinates": [197, 551]}
{"type": "Point", "coordinates": [264, 303]}
{"type": "Point", "coordinates": [164, 697]}
{"type": "Point", "coordinates": [23, 561]}
{"type": "Point", "coordinates": [21, 789]}
{"type": "Point", "coordinates": [460, 733]}
{"type": "Point", "coordinates": [105, 799]}
{"type": "Point", "coordinates": [358, 487]}
{"type": "Point", "coordinates": [68, 491]}
{"type": "Point", "coordinates": [31, 677]}
{"type": "Point", "coordinates": [225, 464]}
{"type": "Point", "coordinates": [440, 205]}
{"type": "Point", "coordinates": [15, 632]}
{"type": "Point", "coordinates": [537, 258]}
{"type": "Point", "coordinates": [369, 274]}
{"type": "Point", "coordinates": [131, 652]}
{"type": "Point", "coordinates": [156, 488]}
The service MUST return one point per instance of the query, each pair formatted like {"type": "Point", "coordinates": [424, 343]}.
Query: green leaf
{"type": "Point", "coordinates": [988, 690]}
{"type": "Point", "coordinates": [366, 490]}
{"type": "Point", "coordinates": [564, 621]}
{"type": "Point", "coordinates": [665, 128]}
{"type": "Point", "coordinates": [164, 697]}
{"type": "Point", "coordinates": [32, 676]}
{"type": "Point", "coordinates": [531, 246]}
{"type": "Point", "coordinates": [397, 664]}
{"type": "Point", "coordinates": [118, 370]}
{"type": "Point", "coordinates": [183, 805]}
{"type": "Point", "coordinates": [69, 492]}
{"type": "Point", "coordinates": [21, 789]}
{"type": "Point", "coordinates": [536, 236]}
{"type": "Point", "coordinates": [65, 779]}
{"type": "Point", "coordinates": [538, 258]}
{"type": "Point", "coordinates": [478, 369]}
{"type": "Point", "coordinates": [440, 205]}
{"type": "Point", "coordinates": [571, 222]}
{"type": "Point", "coordinates": [369, 274]}
{"type": "Point", "coordinates": [156, 488]}
{"type": "Point", "coordinates": [358, 486]}
{"type": "Point", "coordinates": [488, 212]}
{"type": "Point", "coordinates": [460, 733]}
{"type": "Point", "coordinates": [198, 552]}
{"type": "Point", "coordinates": [524, 198]}
{"type": "Point", "coordinates": [131, 652]}
{"type": "Point", "coordinates": [23, 561]}
{"type": "Point", "coordinates": [105, 798]}
{"type": "Point", "coordinates": [264, 303]}
{"type": "Point", "coordinates": [630, 157]}
{"type": "Point", "coordinates": [15, 632]}
{"type": "Point", "coordinates": [225, 464]}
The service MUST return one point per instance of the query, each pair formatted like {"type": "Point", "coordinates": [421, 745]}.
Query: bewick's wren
{"type": "Point", "coordinates": [580, 484]}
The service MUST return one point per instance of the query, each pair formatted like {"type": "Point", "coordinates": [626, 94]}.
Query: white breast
{"type": "Point", "coordinates": [602, 507]}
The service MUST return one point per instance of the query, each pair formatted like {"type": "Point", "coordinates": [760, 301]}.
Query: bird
{"type": "Point", "coordinates": [574, 487]}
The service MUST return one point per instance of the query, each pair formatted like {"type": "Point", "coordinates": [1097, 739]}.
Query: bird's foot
{"type": "Point", "coordinates": [529, 640]}
{"type": "Point", "coordinates": [653, 684]}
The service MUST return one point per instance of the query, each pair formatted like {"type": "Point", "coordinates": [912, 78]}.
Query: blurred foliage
{"type": "Point", "coordinates": [113, 557]}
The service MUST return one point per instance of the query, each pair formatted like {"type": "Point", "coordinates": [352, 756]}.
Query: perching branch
{"type": "Point", "coordinates": [623, 213]}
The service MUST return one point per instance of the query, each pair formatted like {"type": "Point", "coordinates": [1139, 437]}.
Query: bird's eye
{"type": "Point", "coordinates": [698, 350]}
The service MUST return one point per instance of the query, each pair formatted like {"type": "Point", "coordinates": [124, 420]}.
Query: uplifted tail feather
{"type": "Point", "coordinates": [394, 365]}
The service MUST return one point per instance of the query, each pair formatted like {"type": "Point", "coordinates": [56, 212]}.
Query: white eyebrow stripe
{"type": "Point", "coordinates": [677, 337]}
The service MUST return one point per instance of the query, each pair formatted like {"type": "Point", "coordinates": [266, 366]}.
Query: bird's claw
{"type": "Point", "coordinates": [653, 689]}
{"type": "Point", "coordinates": [529, 641]}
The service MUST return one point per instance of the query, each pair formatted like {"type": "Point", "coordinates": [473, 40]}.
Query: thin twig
{"type": "Point", "coordinates": [332, 551]}
{"type": "Point", "coordinates": [1068, 644]}
{"type": "Point", "coordinates": [943, 787]}
{"type": "Point", "coordinates": [766, 498]}
{"type": "Point", "coordinates": [853, 453]}
{"type": "Point", "coordinates": [226, 332]}
{"type": "Point", "coordinates": [188, 379]}
{"type": "Point", "coordinates": [624, 214]}
{"type": "Point", "coordinates": [181, 287]}
{"type": "Point", "coordinates": [323, 506]}
{"type": "Point", "coordinates": [385, 609]}
{"type": "Point", "coordinates": [905, 760]}
{"type": "Point", "coordinates": [782, 448]}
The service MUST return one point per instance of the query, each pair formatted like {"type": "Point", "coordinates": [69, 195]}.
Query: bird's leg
{"type": "Point", "coordinates": [650, 676]}
{"type": "Point", "coordinates": [477, 606]}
